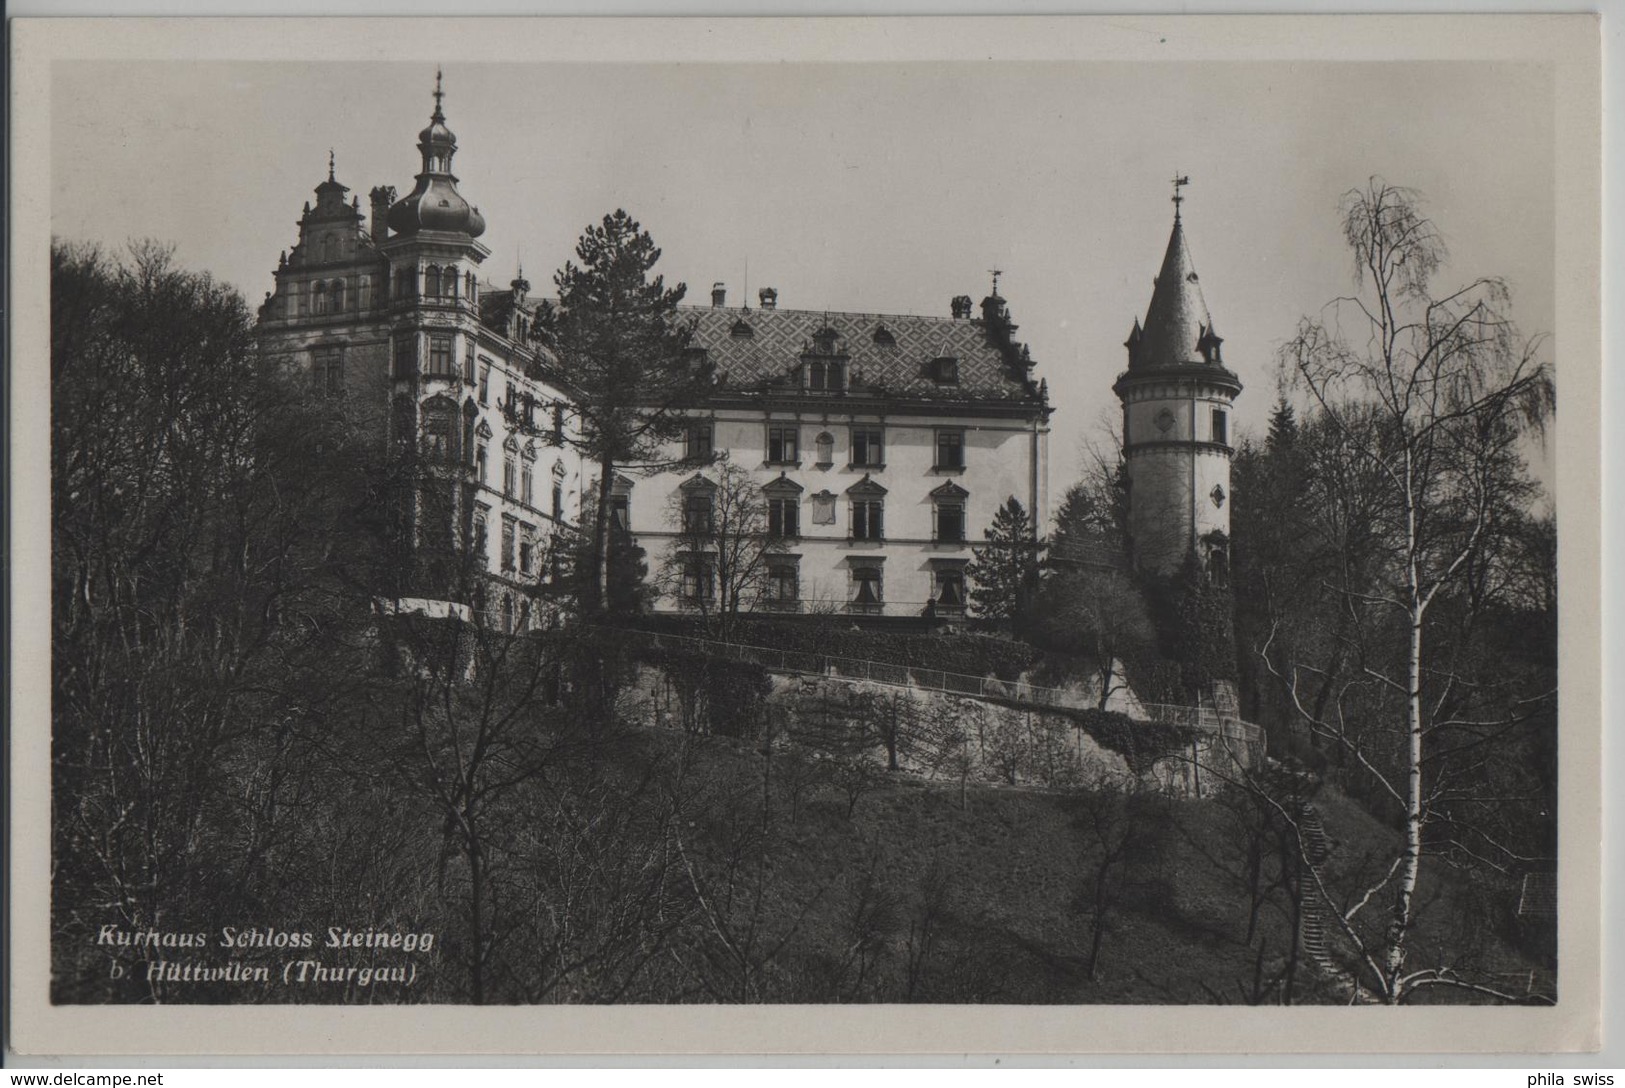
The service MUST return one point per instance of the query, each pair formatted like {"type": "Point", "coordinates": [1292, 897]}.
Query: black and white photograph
{"type": "Point", "coordinates": [813, 528]}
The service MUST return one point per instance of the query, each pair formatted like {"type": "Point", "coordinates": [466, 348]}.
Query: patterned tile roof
{"type": "Point", "coordinates": [890, 354]}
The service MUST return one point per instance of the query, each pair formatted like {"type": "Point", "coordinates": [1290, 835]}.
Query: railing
{"type": "Point", "coordinates": [1200, 717]}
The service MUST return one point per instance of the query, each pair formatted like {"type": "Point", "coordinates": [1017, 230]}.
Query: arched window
{"type": "Point", "coordinates": [431, 281]}
{"type": "Point", "coordinates": [318, 294]}
{"type": "Point", "coordinates": [448, 283]}
{"type": "Point", "coordinates": [468, 286]}
{"type": "Point", "coordinates": [364, 293]}
{"type": "Point", "coordinates": [338, 296]}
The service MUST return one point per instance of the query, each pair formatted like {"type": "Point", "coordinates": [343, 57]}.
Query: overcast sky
{"type": "Point", "coordinates": [871, 187]}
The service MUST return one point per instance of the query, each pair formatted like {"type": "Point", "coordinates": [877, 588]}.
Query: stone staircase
{"type": "Point", "coordinates": [1313, 938]}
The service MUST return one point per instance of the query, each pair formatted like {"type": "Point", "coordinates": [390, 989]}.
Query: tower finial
{"type": "Point", "coordinates": [1180, 181]}
{"type": "Point", "coordinates": [438, 95]}
{"type": "Point", "coordinates": [330, 164]}
{"type": "Point", "coordinates": [996, 273]}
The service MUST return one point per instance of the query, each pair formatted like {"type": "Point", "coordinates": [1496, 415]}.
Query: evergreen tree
{"type": "Point", "coordinates": [625, 355]}
{"type": "Point", "coordinates": [1283, 433]}
{"type": "Point", "coordinates": [1004, 572]}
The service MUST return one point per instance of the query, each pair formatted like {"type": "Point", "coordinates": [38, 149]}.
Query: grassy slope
{"type": "Point", "coordinates": [1011, 926]}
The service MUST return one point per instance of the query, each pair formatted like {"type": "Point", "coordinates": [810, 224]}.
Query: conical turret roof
{"type": "Point", "coordinates": [1177, 320]}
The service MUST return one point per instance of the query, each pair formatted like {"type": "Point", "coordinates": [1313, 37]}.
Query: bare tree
{"type": "Point", "coordinates": [718, 565]}
{"type": "Point", "coordinates": [1427, 397]}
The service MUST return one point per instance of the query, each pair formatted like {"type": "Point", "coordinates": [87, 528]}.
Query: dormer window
{"type": "Point", "coordinates": [826, 375]}
{"type": "Point", "coordinates": [945, 370]}
{"type": "Point", "coordinates": [741, 330]}
{"type": "Point", "coordinates": [883, 337]}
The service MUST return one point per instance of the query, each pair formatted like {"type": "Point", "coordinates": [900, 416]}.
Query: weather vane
{"type": "Point", "coordinates": [330, 164]}
{"type": "Point", "coordinates": [1180, 181]}
{"type": "Point", "coordinates": [996, 272]}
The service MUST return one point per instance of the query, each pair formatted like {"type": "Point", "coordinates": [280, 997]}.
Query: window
{"type": "Point", "coordinates": [364, 293]}
{"type": "Point", "coordinates": [318, 294]}
{"type": "Point", "coordinates": [558, 424]}
{"type": "Point", "coordinates": [868, 447]}
{"type": "Point", "coordinates": [782, 445]}
{"type": "Point", "coordinates": [698, 584]}
{"type": "Point", "coordinates": [509, 530]}
{"type": "Point", "coordinates": [479, 463]}
{"type": "Point", "coordinates": [481, 560]}
{"type": "Point", "coordinates": [527, 549]}
{"type": "Point", "coordinates": [950, 595]}
{"type": "Point", "coordinates": [440, 356]}
{"type": "Point", "coordinates": [825, 444]}
{"type": "Point", "coordinates": [558, 501]}
{"type": "Point", "coordinates": [327, 247]}
{"type": "Point", "coordinates": [783, 517]}
{"type": "Point", "coordinates": [945, 370]}
{"type": "Point", "coordinates": [867, 519]}
{"type": "Point", "coordinates": [620, 513]}
{"type": "Point", "coordinates": [406, 356]}
{"type": "Point", "coordinates": [508, 470]}
{"type": "Point", "coordinates": [1219, 429]}
{"type": "Point", "coordinates": [868, 592]}
{"type": "Point", "coordinates": [485, 385]}
{"type": "Point", "coordinates": [329, 370]}
{"type": "Point", "coordinates": [526, 483]}
{"type": "Point", "coordinates": [431, 281]}
{"type": "Point", "coordinates": [698, 443]}
{"type": "Point", "coordinates": [950, 448]}
{"type": "Point", "coordinates": [405, 423]}
{"type": "Point", "coordinates": [338, 296]}
{"type": "Point", "coordinates": [697, 512]}
{"type": "Point", "coordinates": [440, 430]}
{"type": "Point", "coordinates": [468, 363]}
{"type": "Point", "coordinates": [950, 523]}
{"type": "Point", "coordinates": [783, 586]}
{"type": "Point", "coordinates": [825, 376]}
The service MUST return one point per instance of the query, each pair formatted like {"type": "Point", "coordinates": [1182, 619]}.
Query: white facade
{"type": "Point", "coordinates": [881, 482]}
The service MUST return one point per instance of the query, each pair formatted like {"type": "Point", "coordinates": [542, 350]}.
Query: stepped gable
{"type": "Point", "coordinates": [892, 354]}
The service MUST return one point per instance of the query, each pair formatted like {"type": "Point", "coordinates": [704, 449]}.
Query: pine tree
{"type": "Point", "coordinates": [625, 355]}
{"type": "Point", "coordinates": [1004, 572]}
{"type": "Point", "coordinates": [1283, 426]}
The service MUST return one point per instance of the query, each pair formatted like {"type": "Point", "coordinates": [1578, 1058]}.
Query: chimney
{"type": "Point", "coordinates": [768, 297]}
{"type": "Point", "coordinates": [719, 294]}
{"type": "Point", "coordinates": [961, 307]}
{"type": "Point", "coordinates": [382, 197]}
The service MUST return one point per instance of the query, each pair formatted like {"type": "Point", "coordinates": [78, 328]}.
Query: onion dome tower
{"type": "Point", "coordinates": [434, 204]}
{"type": "Point", "coordinates": [1177, 398]}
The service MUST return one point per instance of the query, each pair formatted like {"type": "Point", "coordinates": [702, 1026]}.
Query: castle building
{"type": "Point", "coordinates": [1177, 399]}
{"type": "Point", "coordinates": [883, 444]}
{"type": "Point", "coordinates": [391, 314]}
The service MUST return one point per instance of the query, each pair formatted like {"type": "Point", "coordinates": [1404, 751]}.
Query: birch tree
{"type": "Point", "coordinates": [1426, 399]}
